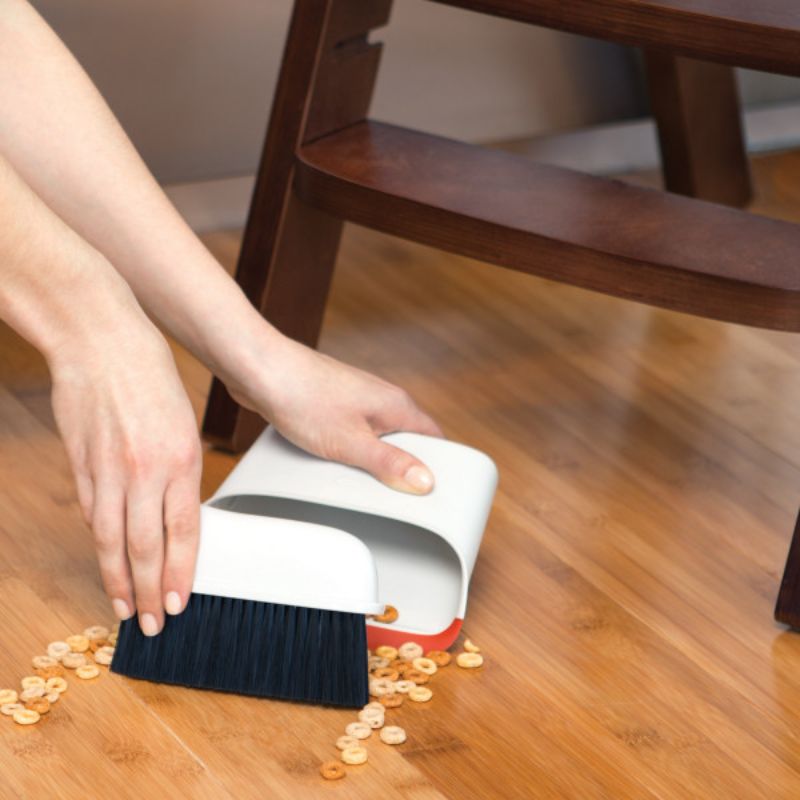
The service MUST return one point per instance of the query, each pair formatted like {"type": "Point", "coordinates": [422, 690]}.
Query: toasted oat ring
{"type": "Point", "coordinates": [386, 672]}
{"type": "Point", "coordinates": [343, 742]}
{"type": "Point", "coordinates": [409, 651]}
{"type": "Point", "coordinates": [391, 700]}
{"type": "Point", "coordinates": [420, 694]}
{"type": "Point", "coordinates": [470, 647]}
{"type": "Point", "coordinates": [386, 651]}
{"type": "Point", "coordinates": [373, 704]}
{"type": "Point", "coordinates": [112, 638]}
{"type": "Point", "coordinates": [58, 650]}
{"type": "Point", "coordinates": [53, 697]}
{"type": "Point", "coordinates": [8, 709]}
{"type": "Point", "coordinates": [354, 755]}
{"type": "Point", "coordinates": [469, 660]}
{"type": "Point", "coordinates": [56, 684]}
{"type": "Point", "coordinates": [393, 734]}
{"type": "Point", "coordinates": [358, 730]}
{"type": "Point", "coordinates": [31, 694]}
{"type": "Point", "coordinates": [372, 717]}
{"type": "Point", "coordinates": [426, 665]}
{"type": "Point", "coordinates": [32, 680]}
{"type": "Point", "coordinates": [26, 716]}
{"type": "Point", "coordinates": [377, 662]}
{"type": "Point", "coordinates": [332, 770]}
{"type": "Point", "coordinates": [87, 671]}
{"type": "Point", "coordinates": [96, 644]}
{"type": "Point", "coordinates": [390, 614]}
{"type": "Point", "coordinates": [104, 655]}
{"type": "Point", "coordinates": [399, 665]}
{"type": "Point", "coordinates": [415, 676]}
{"type": "Point", "coordinates": [41, 705]}
{"type": "Point", "coordinates": [50, 672]}
{"type": "Point", "coordinates": [8, 696]}
{"type": "Point", "coordinates": [44, 662]}
{"type": "Point", "coordinates": [78, 643]}
{"type": "Point", "coordinates": [380, 686]}
{"type": "Point", "coordinates": [74, 660]}
{"type": "Point", "coordinates": [439, 657]}
{"type": "Point", "coordinates": [404, 687]}
{"type": "Point", "coordinates": [94, 632]}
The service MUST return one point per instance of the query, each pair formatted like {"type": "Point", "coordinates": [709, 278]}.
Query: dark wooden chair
{"type": "Point", "coordinates": [325, 162]}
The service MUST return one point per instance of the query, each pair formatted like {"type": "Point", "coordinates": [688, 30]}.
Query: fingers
{"type": "Point", "coordinates": [145, 545]}
{"type": "Point", "coordinates": [182, 521]}
{"type": "Point", "coordinates": [389, 464]}
{"type": "Point", "coordinates": [108, 525]}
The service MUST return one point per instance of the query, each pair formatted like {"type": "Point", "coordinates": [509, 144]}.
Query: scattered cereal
{"type": "Point", "coordinates": [104, 655]}
{"type": "Point", "coordinates": [50, 672]}
{"type": "Point", "coordinates": [358, 730]}
{"type": "Point", "coordinates": [8, 696]}
{"type": "Point", "coordinates": [420, 694]}
{"type": "Point", "coordinates": [74, 660]}
{"type": "Point", "coordinates": [25, 716]}
{"type": "Point", "coordinates": [377, 662]}
{"type": "Point", "coordinates": [386, 651]}
{"type": "Point", "coordinates": [404, 687]}
{"type": "Point", "coordinates": [440, 657]}
{"type": "Point", "coordinates": [386, 672]}
{"type": "Point", "coordinates": [469, 660]}
{"type": "Point", "coordinates": [87, 671]}
{"type": "Point", "coordinates": [58, 650]}
{"type": "Point", "coordinates": [390, 614]}
{"type": "Point", "coordinates": [393, 734]}
{"type": "Point", "coordinates": [470, 647]}
{"type": "Point", "coordinates": [8, 709]}
{"type": "Point", "coordinates": [44, 662]}
{"type": "Point", "coordinates": [372, 717]}
{"type": "Point", "coordinates": [32, 680]}
{"type": "Point", "coordinates": [415, 676]}
{"type": "Point", "coordinates": [78, 643]}
{"type": "Point", "coordinates": [354, 755]}
{"type": "Point", "coordinates": [95, 632]}
{"type": "Point", "coordinates": [40, 705]}
{"type": "Point", "coordinates": [381, 686]}
{"type": "Point", "coordinates": [391, 700]}
{"type": "Point", "coordinates": [343, 742]}
{"type": "Point", "coordinates": [56, 685]}
{"type": "Point", "coordinates": [53, 697]}
{"type": "Point", "coordinates": [409, 651]}
{"type": "Point", "coordinates": [332, 771]}
{"type": "Point", "coordinates": [374, 704]}
{"type": "Point", "coordinates": [31, 694]}
{"type": "Point", "coordinates": [426, 665]}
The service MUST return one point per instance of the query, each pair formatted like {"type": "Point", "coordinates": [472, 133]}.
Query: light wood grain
{"type": "Point", "coordinates": [650, 468]}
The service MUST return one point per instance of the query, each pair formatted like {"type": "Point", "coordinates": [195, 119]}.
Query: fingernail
{"type": "Point", "coordinates": [419, 478]}
{"type": "Point", "coordinates": [148, 624]}
{"type": "Point", "coordinates": [172, 603]}
{"type": "Point", "coordinates": [121, 608]}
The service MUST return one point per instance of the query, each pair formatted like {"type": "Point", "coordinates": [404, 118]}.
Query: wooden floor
{"type": "Point", "coordinates": [650, 475]}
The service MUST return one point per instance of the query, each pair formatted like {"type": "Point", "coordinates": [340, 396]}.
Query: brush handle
{"type": "Point", "coordinates": [293, 563]}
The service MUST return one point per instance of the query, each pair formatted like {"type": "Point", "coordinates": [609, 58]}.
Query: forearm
{"type": "Point", "coordinates": [63, 139]}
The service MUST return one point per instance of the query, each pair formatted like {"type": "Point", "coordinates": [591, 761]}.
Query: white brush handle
{"type": "Point", "coordinates": [283, 561]}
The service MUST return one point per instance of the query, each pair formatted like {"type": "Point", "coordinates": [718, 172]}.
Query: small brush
{"type": "Point", "coordinates": [239, 632]}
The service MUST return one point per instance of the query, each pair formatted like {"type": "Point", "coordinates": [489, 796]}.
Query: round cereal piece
{"type": "Point", "coordinates": [386, 651]}
{"type": "Point", "coordinates": [74, 660]}
{"type": "Point", "coordinates": [377, 662]}
{"type": "Point", "coordinates": [56, 684]}
{"type": "Point", "coordinates": [331, 770]}
{"type": "Point", "coordinates": [439, 657]}
{"type": "Point", "coordinates": [58, 650]}
{"type": "Point", "coordinates": [374, 704]}
{"type": "Point", "coordinates": [78, 643]}
{"type": "Point", "coordinates": [420, 694]}
{"type": "Point", "coordinates": [404, 687]}
{"type": "Point", "coordinates": [50, 672]}
{"type": "Point", "coordinates": [398, 665]}
{"type": "Point", "coordinates": [417, 677]}
{"type": "Point", "coordinates": [393, 734]}
{"type": "Point", "coordinates": [8, 696]}
{"type": "Point", "coordinates": [112, 638]}
{"type": "Point", "coordinates": [40, 705]}
{"type": "Point", "coordinates": [470, 647]}
{"type": "Point", "coordinates": [32, 680]}
{"type": "Point", "coordinates": [386, 672]}
{"type": "Point", "coordinates": [469, 660]}
{"type": "Point", "coordinates": [104, 655]}
{"type": "Point", "coordinates": [25, 716]}
{"type": "Point", "coordinates": [53, 697]}
{"type": "Point", "coordinates": [391, 700]}
{"type": "Point", "coordinates": [87, 671]}
{"type": "Point", "coordinates": [426, 665]}
{"type": "Point", "coordinates": [343, 742]}
{"type": "Point", "coordinates": [31, 694]}
{"type": "Point", "coordinates": [372, 717]}
{"type": "Point", "coordinates": [95, 632]}
{"type": "Point", "coordinates": [44, 662]}
{"type": "Point", "coordinates": [390, 614]}
{"type": "Point", "coordinates": [8, 709]}
{"type": "Point", "coordinates": [358, 730]}
{"type": "Point", "coordinates": [354, 755]}
{"type": "Point", "coordinates": [409, 651]}
{"type": "Point", "coordinates": [380, 686]}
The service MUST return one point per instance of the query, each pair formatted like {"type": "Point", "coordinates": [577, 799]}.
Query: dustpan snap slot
{"type": "Point", "coordinates": [419, 572]}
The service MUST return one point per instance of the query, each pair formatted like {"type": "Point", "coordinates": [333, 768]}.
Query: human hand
{"type": "Point", "coordinates": [335, 411]}
{"type": "Point", "coordinates": [133, 445]}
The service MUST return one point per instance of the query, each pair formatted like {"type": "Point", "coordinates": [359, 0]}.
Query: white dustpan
{"type": "Point", "coordinates": [356, 543]}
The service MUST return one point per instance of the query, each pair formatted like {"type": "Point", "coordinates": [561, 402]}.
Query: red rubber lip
{"type": "Point", "coordinates": [395, 637]}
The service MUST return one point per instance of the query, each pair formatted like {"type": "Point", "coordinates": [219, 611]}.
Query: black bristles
{"type": "Point", "coordinates": [247, 647]}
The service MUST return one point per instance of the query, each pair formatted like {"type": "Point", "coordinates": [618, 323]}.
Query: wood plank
{"type": "Point", "coordinates": [763, 35]}
{"type": "Point", "coordinates": [596, 233]}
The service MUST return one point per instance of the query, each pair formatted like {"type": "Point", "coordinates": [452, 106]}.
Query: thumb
{"type": "Point", "coordinates": [390, 465]}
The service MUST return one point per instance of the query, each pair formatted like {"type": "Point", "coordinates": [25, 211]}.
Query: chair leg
{"type": "Point", "coordinates": [787, 608]}
{"type": "Point", "coordinates": [696, 108]}
{"type": "Point", "coordinates": [289, 249]}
